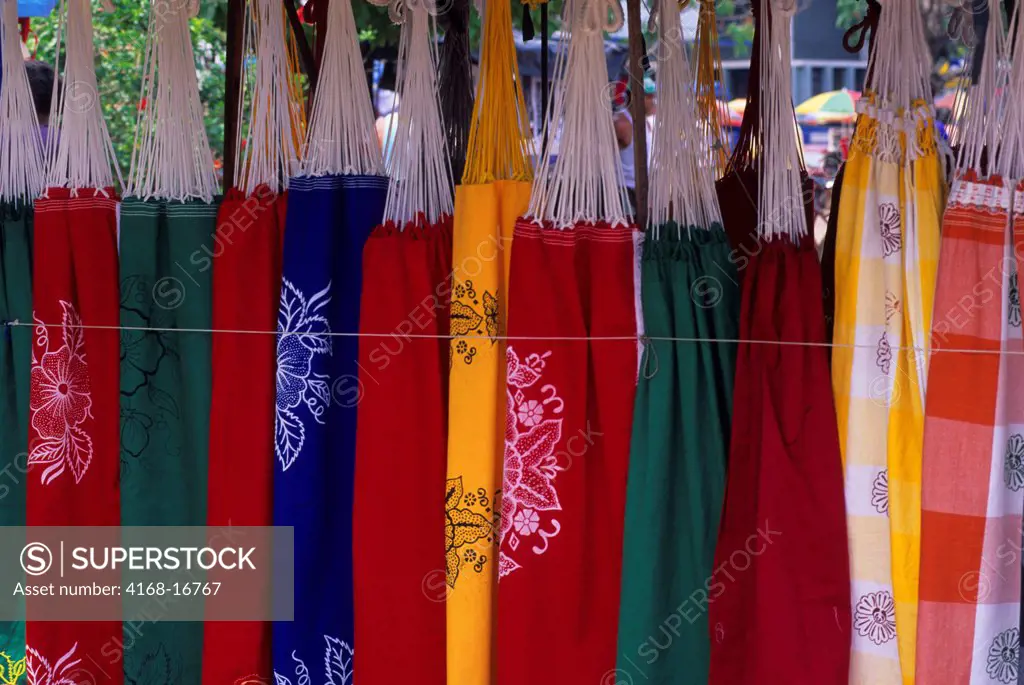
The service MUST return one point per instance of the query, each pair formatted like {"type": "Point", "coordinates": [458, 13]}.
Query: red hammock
{"type": "Point", "coordinates": [567, 433]}
{"type": "Point", "coordinates": [246, 257]}
{"type": "Point", "coordinates": [401, 456]}
{"type": "Point", "coordinates": [74, 441]}
{"type": "Point", "coordinates": [779, 598]}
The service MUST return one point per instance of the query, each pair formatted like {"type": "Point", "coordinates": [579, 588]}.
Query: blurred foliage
{"type": "Point", "coordinates": [119, 40]}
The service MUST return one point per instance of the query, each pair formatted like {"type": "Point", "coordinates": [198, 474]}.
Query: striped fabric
{"type": "Point", "coordinates": [886, 255]}
{"type": "Point", "coordinates": [969, 623]}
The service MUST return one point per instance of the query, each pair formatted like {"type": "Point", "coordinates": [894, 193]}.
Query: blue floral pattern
{"type": "Point", "coordinates": [302, 394]}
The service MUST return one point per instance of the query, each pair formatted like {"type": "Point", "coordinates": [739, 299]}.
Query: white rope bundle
{"type": "Point", "coordinates": [780, 210]}
{"type": "Point", "coordinates": [171, 159]}
{"type": "Point", "coordinates": [22, 174]}
{"type": "Point", "coordinates": [342, 138]}
{"type": "Point", "coordinates": [421, 176]}
{"type": "Point", "coordinates": [900, 76]}
{"type": "Point", "coordinates": [980, 125]}
{"type": "Point", "coordinates": [271, 150]}
{"type": "Point", "coordinates": [682, 169]}
{"type": "Point", "coordinates": [586, 179]}
{"type": "Point", "coordinates": [1009, 153]}
{"type": "Point", "coordinates": [79, 153]}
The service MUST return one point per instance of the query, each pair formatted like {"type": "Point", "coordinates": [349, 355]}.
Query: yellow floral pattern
{"type": "Point", "coordinates": [465, 525]}
{"type": "Point", "coordinates": [11, 670]}
{"type": "Point", "coordinates": [474, 314]}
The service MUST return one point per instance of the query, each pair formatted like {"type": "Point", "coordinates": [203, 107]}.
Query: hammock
{"type": "Point", "coordinates": [569, 401]}
{"type": "Point", "coordinates": [73, 444]}
{"type": "Point", "coordinates": [167, 221]}
{"type": "Point", "coordinates": [968, 627]}
{"type": "Point", "coordinates": [332, 207]}
{"type": "Point", "coordinates": [680, 438]}
{"type": "Point", "coordinates": [403, 391]}
{"type": "Point", "coordinates": [494, 191]}
{"type": "Point", "coordinates": [246, 295]}
{"type": "Point", "coordinates": [782, 524]}
{"type": "Point", "coordinates": [886, 255]}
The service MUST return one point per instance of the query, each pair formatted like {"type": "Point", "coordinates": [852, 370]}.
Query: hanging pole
{"type": "Point", "coordinates": [305, 52]}
{"type": "Point", "coordinates": [232, 86]}
{"type": "Point", "coordinates": [636, 106]}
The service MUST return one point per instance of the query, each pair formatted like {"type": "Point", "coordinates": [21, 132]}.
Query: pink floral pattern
{"type": "Point", "coordinates": [529, 495]}
{"type": "Point", "coordinates": [60, 400]}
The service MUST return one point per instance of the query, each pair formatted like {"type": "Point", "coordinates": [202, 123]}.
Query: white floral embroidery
{"type": "Point", "coordinates": [298, 385]}
{"type": "Point", "coordinates": [337, 665]}
{"type": "Point", "coordinates": [531, 412]}
{"type": "Point", "coordinates": [880, 492]}
{"type": "Point", "coordinates": [39, 671]}
{"type": "Point", "coordinates": [60, 400]}
{"type": "Point", "coordinates": [1013, 466]}
{"type": "Point", "coordinates": [875, 617]}
{"type": "Point", "coordinates": [526, 522]}
{"type": "Point", "coordinates": [1003, 656]}
{"type": "Point", "coordinates": [889, 228]}
{"type": "Point", "coordinates": [531, 464]}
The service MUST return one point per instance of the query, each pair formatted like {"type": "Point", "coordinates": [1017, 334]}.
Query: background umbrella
{"type": "Point", "coordinates": [494, 191]}
{"type": "Point", "coordinates": [73, 446]}
{"type": "Point", "coordinates": [962, 628]}
{"type": "Point", "coordinates": [569, 400]}
{"type": "Point", "coordinates": [830, 106]}
{"type": "Point", "coordinates": [402, 441]}
{"type": "Point", "coordinates": [887, 236]}
{"type": "Point", "coordinates": [246, 259]}
{"type": "Point", "coordinates": [21, 180]}
{"type": "Point", "coordinates": [784, 483]}
{"type": "Point", "coordinates": [680, 438]}
{"type": "Point", "coordinates": [168, 215]}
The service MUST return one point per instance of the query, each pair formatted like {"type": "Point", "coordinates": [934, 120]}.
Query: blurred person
{"type": "Point", "coordinates": [623, 122]}
{"type": "Point", "coordinates": [40, 80]}
{"type": "Point", "coordinates": [650, 109]}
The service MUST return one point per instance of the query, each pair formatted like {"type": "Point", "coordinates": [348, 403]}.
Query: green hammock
{"type": "Point", "coordinates": [678, 456]}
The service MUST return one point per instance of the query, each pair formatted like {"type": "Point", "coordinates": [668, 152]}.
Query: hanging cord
{"type": "Point", "coordinates": [780, 210]}
{"type": "Point", "coordinates": [500, 142]}
{"type": "Point", "coordinates": [856, 35]}
{"type": "Point", "coordinates": [981, 124]}
{"type": "Point", "coordinates": [171, 158]}
{"type": "Point", "coordinates": [22, 174]}
{"type": "Point", "coordinates": [683, 164]}
{"type": "Point", "coordinates": [342, 138]}
{"type": "Point", "coordinates": [1010, 150]}
{"type": "Point", "coordinates": [271, 145]}
{"type": "Point", "coordinates": [456, 83]}
{"type": "Point", "coordinates": [402, 335]}
{"type": "Point", "coordinates": [421, 180]}
{"type": "Point", "coordinates": [710, 107]}
{"type": "Point", "coordinates": [79, 153]}
{"type": "Point", "coordinates": [585, 182]}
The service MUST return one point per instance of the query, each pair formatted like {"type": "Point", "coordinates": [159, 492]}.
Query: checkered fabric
{"type": "Point", "coordinates": [969, 623]}
{"type": "Point", "coordinates": [886, 257]}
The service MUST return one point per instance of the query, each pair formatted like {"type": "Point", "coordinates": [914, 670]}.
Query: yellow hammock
{"type": "Point", "coordinates": [495, 190]}
{"type": "Point", "coordinates": [887, 246]}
